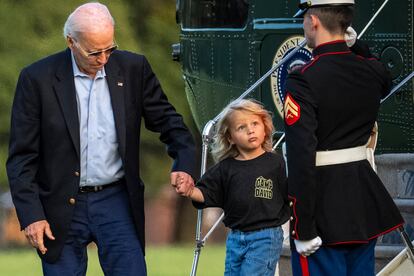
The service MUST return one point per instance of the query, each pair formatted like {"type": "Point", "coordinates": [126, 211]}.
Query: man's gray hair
{"type": "Point", "coordinates": [87, 17]}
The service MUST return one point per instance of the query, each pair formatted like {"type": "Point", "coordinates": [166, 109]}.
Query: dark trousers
{"type": "Point", "coordinates": [105, 218]}
{"type": "Point", "coordinates": [343, 260]}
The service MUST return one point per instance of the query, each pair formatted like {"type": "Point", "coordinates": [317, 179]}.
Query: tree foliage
{"type": "Point", "coordinates": [32, 29]}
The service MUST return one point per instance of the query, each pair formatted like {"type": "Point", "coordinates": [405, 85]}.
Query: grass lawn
{"type": "Point", "coordinates": [161, 261]}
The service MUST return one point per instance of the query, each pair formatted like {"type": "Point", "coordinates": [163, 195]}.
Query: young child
{"type": "Point", "coordinates": [249, 184]}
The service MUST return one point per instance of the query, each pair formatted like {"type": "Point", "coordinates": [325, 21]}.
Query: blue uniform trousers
{"type": "Point", "coordinates": [105, 218]}
{"type": "Point", "coordinates": [341, 260]}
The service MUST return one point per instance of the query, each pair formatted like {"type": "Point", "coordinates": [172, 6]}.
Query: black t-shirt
{"type": "Point", "coordinates": [252, 193]}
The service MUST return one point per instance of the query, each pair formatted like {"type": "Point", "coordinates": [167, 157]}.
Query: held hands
{"type": "Point", "coordinates": [182, 182]}
{"type": "Point", "coordinates": [350, 36]}
{"type": "Point", "coordinates": [35, 232]}
{"type": "Point", "coordinates": [306, 248]}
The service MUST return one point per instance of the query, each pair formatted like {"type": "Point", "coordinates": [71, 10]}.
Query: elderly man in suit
{"type": "Point", "coordinates": [73, 163]}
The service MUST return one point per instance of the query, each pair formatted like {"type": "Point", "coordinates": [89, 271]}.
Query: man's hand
{"type": "Point", "coordinates": [35, 232]}
{"type": "Point", "coordinates": [182, 182]}
{"type": "Point", "coordinates": [305, 248]}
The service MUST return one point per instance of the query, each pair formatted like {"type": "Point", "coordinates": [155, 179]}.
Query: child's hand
{"type": "Point", "coordinates": [185, 189]}
{"type": "Point", "coordinates": [182, 182]}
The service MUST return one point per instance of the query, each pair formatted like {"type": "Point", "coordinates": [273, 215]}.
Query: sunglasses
{"type": "Point", "coordinates": [95, 54]}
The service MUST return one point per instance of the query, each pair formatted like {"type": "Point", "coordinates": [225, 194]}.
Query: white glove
{"type": "Point", "coordinates": [350, 36]}
{"type": "Point", "coordinates": [306, 248]}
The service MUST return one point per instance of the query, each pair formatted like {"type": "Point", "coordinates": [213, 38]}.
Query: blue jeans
{"type": "Point", "coordinates": [105, 218]}
{"type": "Point", "coordinates": [253, 253]}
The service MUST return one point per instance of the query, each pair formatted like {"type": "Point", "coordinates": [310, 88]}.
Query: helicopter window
{"type": "Point", "coordinates": [215, 13]}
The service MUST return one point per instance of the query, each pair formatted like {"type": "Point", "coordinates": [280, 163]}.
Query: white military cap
{"type": "Point", "coordinates": [306, 4]}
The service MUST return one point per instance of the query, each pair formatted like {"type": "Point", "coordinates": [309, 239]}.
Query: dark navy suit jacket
{"type": "Point", "coordinates": [44, 163]}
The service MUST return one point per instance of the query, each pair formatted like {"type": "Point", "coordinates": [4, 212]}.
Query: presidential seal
{"type": "Point", "coordinates": [277, 79]}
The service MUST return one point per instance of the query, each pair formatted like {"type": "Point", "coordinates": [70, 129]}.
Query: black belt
{"type": "Point", "coordinates": [88, 189]}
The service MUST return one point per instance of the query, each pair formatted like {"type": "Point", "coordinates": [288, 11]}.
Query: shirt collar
{"type": "Point", "coordinates": [78, 73]}
{"type": "Point", "coordinates": [337, 46]}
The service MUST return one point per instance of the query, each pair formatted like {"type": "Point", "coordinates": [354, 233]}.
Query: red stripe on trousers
{"type": "Point", "coordinates": [304, 265]}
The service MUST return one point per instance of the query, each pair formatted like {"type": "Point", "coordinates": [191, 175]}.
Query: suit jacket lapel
{"type": "Point", "coordinates": [116, 84]}
{"type": "Point", "coordinates": [64, 87]}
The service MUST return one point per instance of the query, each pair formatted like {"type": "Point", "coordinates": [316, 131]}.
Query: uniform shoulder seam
{"type": "Point", "coordinates": [323, 55]}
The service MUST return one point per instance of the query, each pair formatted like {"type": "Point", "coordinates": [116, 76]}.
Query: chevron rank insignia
{"type": "Point", "coordinates": [292, 110]}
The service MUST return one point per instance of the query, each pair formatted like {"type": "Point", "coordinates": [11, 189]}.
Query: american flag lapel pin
{"type": "Point", "coordinates": [120, 84]}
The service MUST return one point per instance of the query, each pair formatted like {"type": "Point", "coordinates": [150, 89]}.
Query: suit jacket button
{"type": "Point", "coordinates": [293, 232]}
{"type": "Point", "coordinates": [72, 201]}
{"type": "Point", "coordinates": [291, 218]}
{"type": "Point", "coordinates": [291, 203]}
{"type": "Point", "coordinates": [77, 173]}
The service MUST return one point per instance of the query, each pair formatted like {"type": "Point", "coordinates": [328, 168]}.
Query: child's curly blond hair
{"type": "Point", "coordinates": [221, 148]}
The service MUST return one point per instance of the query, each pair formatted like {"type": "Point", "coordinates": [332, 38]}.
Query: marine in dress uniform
{"type": "Point", "coordinates": [336, 197]}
